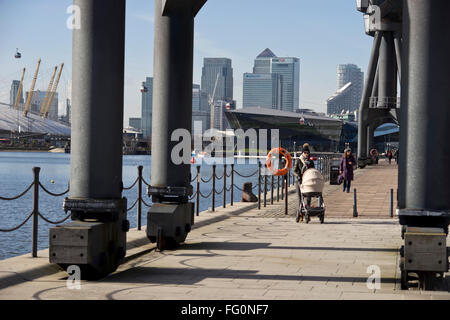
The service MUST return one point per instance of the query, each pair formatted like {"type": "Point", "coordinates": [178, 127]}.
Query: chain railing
{"type": "Point", "coordinates": [35, 213]}
{"type": "Point", "coordinates": [262, 185]}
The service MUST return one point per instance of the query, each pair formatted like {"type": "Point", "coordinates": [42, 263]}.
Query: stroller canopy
{"type": "Point", "coordinates": [312, 181]}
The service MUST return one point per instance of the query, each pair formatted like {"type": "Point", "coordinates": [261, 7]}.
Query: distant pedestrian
{"type": "Point", "coordinates": [389, 155]}
{"type": "Point", "coordinates": [397, 153]}
{"type": "Point", "coordinates": [346, 169]}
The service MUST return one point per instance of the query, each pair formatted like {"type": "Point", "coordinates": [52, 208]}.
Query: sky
{"type": "Point", "coordinates": [323, 34]}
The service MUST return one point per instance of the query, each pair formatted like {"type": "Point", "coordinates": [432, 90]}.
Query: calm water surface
{"type": "Point", "coordinates": [16, 175]}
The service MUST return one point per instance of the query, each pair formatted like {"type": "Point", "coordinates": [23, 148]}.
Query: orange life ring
{"type": "Point", "coordinates": [374, 153]}
{"type": "Point", "coordinates": [287, 156]}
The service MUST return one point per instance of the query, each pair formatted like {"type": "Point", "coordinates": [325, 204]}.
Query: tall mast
{"type": "Point", "coordinates": [30, 94]}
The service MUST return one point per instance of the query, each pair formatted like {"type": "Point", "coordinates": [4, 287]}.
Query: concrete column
{"type": "Point", "coordinates": [387, 86]}
{"type": "Point", "coordinates": [364, 106]}
{"type": "Point", "coordinates": [97, 112]}
{"type": "Point", "coordinates": [370, 138]}
{"type": "Point", "coordinates": [425, 113]}
{"type": "Point", "coordinates": [172, 93]}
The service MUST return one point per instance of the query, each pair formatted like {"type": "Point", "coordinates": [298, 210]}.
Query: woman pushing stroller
{"type": "Point", "coordinates": [303, 163]}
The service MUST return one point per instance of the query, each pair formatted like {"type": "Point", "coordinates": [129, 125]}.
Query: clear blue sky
{"type": "Point", "coordinates": [322, 34]}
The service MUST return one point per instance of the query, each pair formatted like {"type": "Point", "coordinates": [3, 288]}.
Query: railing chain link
{"type": "Point", "coordinates": [20, 195]}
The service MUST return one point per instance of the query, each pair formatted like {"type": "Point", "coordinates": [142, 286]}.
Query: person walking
{"type": "Point", "coordinates": [346, 169]}
{"type": "Point", "coordinates": [389, 155]}
{"type": "Point", "coordinates": [302, 164]}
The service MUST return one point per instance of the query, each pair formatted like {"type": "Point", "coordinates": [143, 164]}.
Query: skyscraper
{"type": "Point", "coordinates": [221, 68]}
{"type": "Point", "coordinates": [289, 70]}
{"type": "Point", "coordinates": [147, 107]}
{"type": "Point", "coordinates": [13, 93]}
{"type": "Point", "coordinates": [200, 110]}
{"type": "Point", "coordinates": [279, 91]}
{"type": "Point", "coordinates": [219, 120]}
{"type": "Point", "coordinates": [262, 90]}
{"type": "Point", "coordinates": [351, 73]}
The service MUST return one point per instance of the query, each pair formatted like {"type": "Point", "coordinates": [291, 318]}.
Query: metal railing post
{"type": "Point", "coordinates": [224, 186]}
{"type": "Point", "coordinates": [391, 204]}
{"type": "Point", "coordinates": [139, 204]}
{"type": "Point", "coordinates": [259, 185]}
{"type": "Point", "coordinates": [35, 211]}
{"type": "Point", "coordinates": [286, 199]}
{"type": "Point", "coordinates": [288, 178]}
{"type": "Point", "coordinates": [197, 197]}
{"type": "Point", "coordinates": [282, 187]}
{"type": "Point", "coordinates": [232, 185]}
{"type": "Point", "coordinates": [213, 198]}
{"type": "Point", "coordinates": [278, 188]}
{"type": "Point", "coordinates": [265, 188]}
{"type": "Point", "coordinates": [271, 188]}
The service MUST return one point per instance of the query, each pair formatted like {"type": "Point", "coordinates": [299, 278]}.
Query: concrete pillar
{"type": "Point", "coordinates": [387, 86]}
{"type": "Point", "coordinates": [425, 113]}
{"type": "Point", "coordinates": [171, 217]}
{"type": "Point", "coordinates": [96, 145]}
{"type": "Point", "coordinates": [97, 112]}
{"type": "Point", "coordinates": [172, 93]}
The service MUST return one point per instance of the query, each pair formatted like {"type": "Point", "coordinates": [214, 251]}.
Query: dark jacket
{"type": "Point", "coordinates": [346, 168]}
{"type": "Point", "coordinates": [301, 166]}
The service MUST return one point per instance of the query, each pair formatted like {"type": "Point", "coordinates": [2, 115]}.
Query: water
{"type": "Point", "coordinates": [16, 175]}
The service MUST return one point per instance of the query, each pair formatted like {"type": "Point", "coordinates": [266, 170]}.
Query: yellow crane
{"type": "Point", "coordinates": [19, 91]}
{"type": "Point", "coordinates": [41, 113]}
{"type": "Point", "coordinates": [52, 94]}
{"type": "Point", "coordinates": [30, 94]}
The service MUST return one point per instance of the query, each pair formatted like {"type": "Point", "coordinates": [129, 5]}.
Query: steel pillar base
{"type": "Point", "coordinates": [424, 254]}
{"type": "Point", "coordinates": [96, 246]}
{"type": "Point", "coordinates": [169, 224]}
{"type": "Point", "coordinates": [424, 218]}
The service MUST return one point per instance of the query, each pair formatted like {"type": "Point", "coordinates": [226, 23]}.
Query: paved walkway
{"type": "Point", "coordinates": [245, 253]}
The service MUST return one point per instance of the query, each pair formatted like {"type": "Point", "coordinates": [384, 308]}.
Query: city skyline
{"type": "Point", "coordinates": [296, 33]}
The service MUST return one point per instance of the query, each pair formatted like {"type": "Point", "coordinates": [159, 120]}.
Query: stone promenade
{"type": "Point", "coordinates": [245, 253]}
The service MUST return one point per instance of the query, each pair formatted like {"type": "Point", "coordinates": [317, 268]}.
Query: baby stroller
{"type": "Point", "coordinates": [311, 191]}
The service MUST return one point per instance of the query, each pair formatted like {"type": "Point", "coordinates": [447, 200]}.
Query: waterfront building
{"type": "Point", "coordinates": [349, 73]}
{"type": "Point", "coordinates": [322, 133]}
{"type": "Point", "coordinates": [147, 107]}
{"type": "Point", "coordinates": [341, 100]}
{"type": "Point", "coordinates": [222, 67]}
